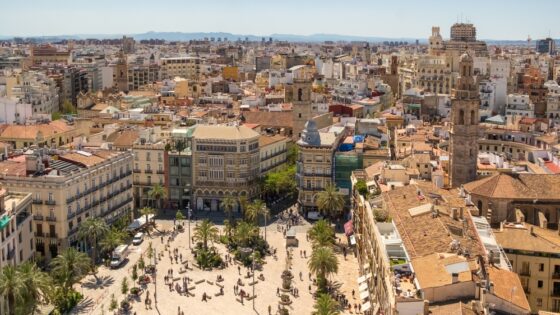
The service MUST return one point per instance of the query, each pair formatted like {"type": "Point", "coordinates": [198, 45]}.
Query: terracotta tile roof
{"type": "Point", "coordinates": [270, 119]}
{"type": "Point", "coordinates": [265, 140]}
{"type": "Point", "coordinates": [517, 186]}
{"type": "Point", "coordinates": [424, 235]}
{"type": "Point", "coordinates": [519, 237]}
{"type": "Point", "coordinates": [504, 281]}
{"type": "Point", "coordinates": [126, 138]}
{"type": "Point", "coordinates": [30, 131]}
{"type": "Point", "coordinates": [78, 158]}
{"type": "Point", "coordinates": [431, 270]}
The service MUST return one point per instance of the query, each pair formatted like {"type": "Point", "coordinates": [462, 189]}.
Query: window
{"type": "Point", "coordinates": [539, 302]}
{"type": "Point", "coordinates": [541, 267]}
{"type": "Point", "coordinates": [539, 284]}
{"type": "Point", "coordinates": [148, 157]}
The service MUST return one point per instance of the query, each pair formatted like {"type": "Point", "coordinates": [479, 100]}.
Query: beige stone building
{"type": "Point", "coordinates": [315, 162]}
{"type": "Point", "coordinates": [226, 162]}
{"type": "Point", "coordinates": [184, 67]}
{"type": "Point", "coordinates": [149, 165]}
{"type": "Point", "coordinates": [54, 134]}
{"type": "Point", "coordinates": [534, 254]}
{"type": "Point", "coordinates": [67, 188]}
{"type": "Point", "coordinates": [273, 152]}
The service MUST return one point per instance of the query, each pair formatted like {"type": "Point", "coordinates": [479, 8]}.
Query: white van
{"type": "Point", "coordinates": [138, 238]}
{"type": "Point", "coordinates": [119, 255]}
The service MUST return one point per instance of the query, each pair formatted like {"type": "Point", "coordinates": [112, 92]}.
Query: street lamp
{"type": "Point", "coordinates": [189, 213]}
{"type": "Point", "coordinates": [265, 214]}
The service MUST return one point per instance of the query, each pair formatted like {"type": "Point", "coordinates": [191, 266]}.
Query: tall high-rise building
{"type": "Point", "coordinates": [546, 46]}
{"type": "Point", "coordinates": [464, 131]}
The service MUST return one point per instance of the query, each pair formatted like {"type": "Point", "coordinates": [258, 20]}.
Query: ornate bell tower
{"type": "Point", "coordinates": [464, 129]}
{"type": "Point", "coordinates": [302, 107]}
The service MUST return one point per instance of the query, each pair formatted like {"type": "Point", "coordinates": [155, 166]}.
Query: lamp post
{"type": "Point", "coordinates": [189, 212]}
{"type": "Point", "coordinates": [254, 284]}
{"type": "Point", "coordinates": [265, 214]}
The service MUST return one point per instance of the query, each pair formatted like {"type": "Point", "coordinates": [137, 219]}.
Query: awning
{"type": "Point", "coordinates": [349, 228]}
{"type": "Point", "coordinates": [366, 306]}
{"type": "Point", "coordinates": [363, 287]}
{"type": "Point", "coordinates": [361, 279]}
{"type": "Point", "coordinates": [364, 295]}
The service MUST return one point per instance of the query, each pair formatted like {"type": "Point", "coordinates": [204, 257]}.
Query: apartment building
{"type": "Point", "coordinates": [185, 67]}
{"type": "Point", "coordinates": [17, 242]}
{"type": "Point", "coordinates": [273, 152]}
{"type": "Point", "coordinates": [67, 188]}
{"type": "Point", "coordinates": [534, 254]}
{"type": "Point", "coordinates": [141, 75]}
{"type": "Point", "coordinates": [48, 54]}
{"type": "Point", "coordinates": [148, 151]}
{"type": "Point", "coordinates": [27, 95]}
{"type": "Point", "coordinates": [179, 167]}
{"type": "Point", "coordinates": [430, 253]}
{"type": "Point", "coordinates": [16, 228]}
{"type": "Point", "coordinates": [315, 162]}
{"type": "Point", "coordinates": [226, 162]}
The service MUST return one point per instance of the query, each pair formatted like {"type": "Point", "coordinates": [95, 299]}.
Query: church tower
{"type": "Point", "coordinates": [436, 42]}
{"type": "Point", "coordinates": [464, 125]}
{"type": "Point", "coordinates": [299, 93]}
{"type": "Point", "coordinates": [120, 73]}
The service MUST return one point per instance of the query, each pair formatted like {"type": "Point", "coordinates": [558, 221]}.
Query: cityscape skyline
{"type": "Point", "coordinates": [246, 17]}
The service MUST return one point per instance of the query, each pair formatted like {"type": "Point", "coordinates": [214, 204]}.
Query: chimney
{"type": "Point", "coordinates": [461, 213]}
{"type": "Point", "coordinates": [454, 213]}
{"type": "Point", "coordinates": [533, 231]}
{"type": "Point", "coordinates": [501, 226]}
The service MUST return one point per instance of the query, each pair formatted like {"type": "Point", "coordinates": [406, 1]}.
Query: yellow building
{"type": "Point", "coordinates": [54, 134]}
{"type": "Point", "coordinates": [230, 73]}
{"type": "Point", "coordinates": [149, 168]}
{"type": "Point", "coordinates": [534, 254]}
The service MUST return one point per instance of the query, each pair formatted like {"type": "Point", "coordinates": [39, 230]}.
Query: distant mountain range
{"type": "Point", "coordinates": [182, 36]}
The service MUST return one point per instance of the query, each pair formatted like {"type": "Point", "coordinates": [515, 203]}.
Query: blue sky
{"type": "Point", "coordinates": [495, 19]}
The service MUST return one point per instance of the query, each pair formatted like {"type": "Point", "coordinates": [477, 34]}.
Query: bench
{"type": "Point", "coordinates": [249, 298]}
{"type": "Point", "coordinates": [220, 285]}
{"type": "Point", "coordinates": [199, 281]}
{"type": "Point", "coordinates": [209, 282]}
{"type": "Point", "coordinates": [254, 282]}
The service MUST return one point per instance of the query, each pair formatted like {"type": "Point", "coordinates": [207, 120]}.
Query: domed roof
{"type": "Point", "coordinates": [466, 57]}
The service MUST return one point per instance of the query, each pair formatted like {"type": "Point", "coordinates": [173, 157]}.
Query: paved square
{"type": "Point", "coordinates": [98, 297]}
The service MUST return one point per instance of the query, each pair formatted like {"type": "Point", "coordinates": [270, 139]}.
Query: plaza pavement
{"type": "Point", "coordinates": [97, 297]}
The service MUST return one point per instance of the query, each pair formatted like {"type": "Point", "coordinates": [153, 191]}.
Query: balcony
{"type": "Point", "coordinates": [50, 202]}
{"type": "Point", "coordinates": [51, 235]}
{"type": "Point", "coordinates": [73, 230]}
{"type": "Point", "coordinates": [555, 293]}
{"type": "Point", "coordinates": [136, 170]}
{"type": "Point", "coordinates": [70, 199]}
{"type": "Point", "coordinates": [11, 254]}
{"type": "Point", "coordinates": [50, 218]}
{"type": "Point", "coordinates": [38, 217]}
{"type": "Point", "coordinates": [71, 215]}
{"type": "Point", "coordinates": [525, 273]}
{"type": "Point", "coordinates": [148, 171]}
{"type": "Point", "coordinates": [160, 171]}
{"type": "Point", "coordinates": [556, 275]}
{"type": "Point", "coordinates": [39, 234]}
{"type": "Point", "coordinates": [37, 201]}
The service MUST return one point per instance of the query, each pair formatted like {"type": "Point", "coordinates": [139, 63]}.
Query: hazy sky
{"type": "Point", "coordinates": [494, 19]}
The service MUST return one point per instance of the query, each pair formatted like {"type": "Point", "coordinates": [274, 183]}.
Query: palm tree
{"type": "Point", "coordinates": [156, 193]}
{"type": "Point", "coordinates": [321, 234]}
{"type": "Point", "coordinates": [179, 216]}
{"type": "Point", "coordinates": [323, 262]}
{"type": "Point", "coordinates": [243, 203]}
{"type": "Point", "coordinates": [37, 284]}
{"type": "Point", "coordinates": [256, 209]}
{"type": "Point", "coordinates": [204, 232]}
{"type": "Point", "coordinates": [112, 239]}
{"type": "Point", "coordinates": [330, 201]}
{"type": "Point", "coordinates": [228, 204]}
{"type": "Point", "coordinates": [12, 286]}
{"type": "Point", "coordinates": [92, 230]}
{"type": "Point", "coordinates": [244, 232]}
{"type": "Point", "coordinates": [69, 266]}
{"type": "Point", "coordinates": [326, 305]}
{"type": "Point", "coordinates": [147, 211]}
{"type": "Point", "coordinates": [228, 227]}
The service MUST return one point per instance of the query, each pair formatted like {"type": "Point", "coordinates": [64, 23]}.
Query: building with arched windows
{"type": "Point", "coordinates": [464, 131]}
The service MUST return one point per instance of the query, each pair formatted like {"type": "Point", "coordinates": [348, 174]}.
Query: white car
{"type": "Point", "coordinates": [314, 215]}
{"type": "Point", "coordinates": [138, 238]}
